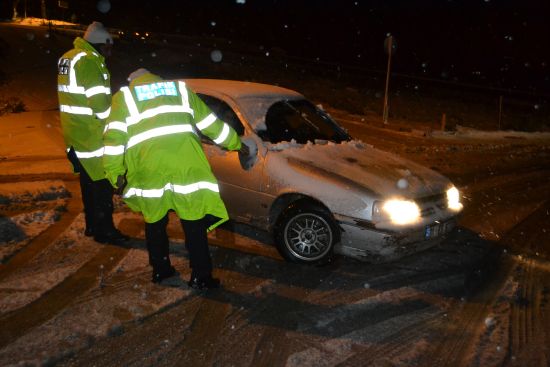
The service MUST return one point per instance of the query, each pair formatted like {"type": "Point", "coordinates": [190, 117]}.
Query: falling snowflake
{"type": "Point", "coordinates": [402, 183]}
{"type": "Point", "coordinates": [103, 6]}
{"type": "Point", "coordinates": [216, 55]}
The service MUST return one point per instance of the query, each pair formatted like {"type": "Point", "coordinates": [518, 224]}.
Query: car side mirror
{"type": "Point", "coordinates": [248, 161]}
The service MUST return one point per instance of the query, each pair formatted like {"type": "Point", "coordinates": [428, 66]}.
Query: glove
{"type": "Point", "coordinates": [244, 150]}
{"type": "Point", "coordinates": [121, 184]}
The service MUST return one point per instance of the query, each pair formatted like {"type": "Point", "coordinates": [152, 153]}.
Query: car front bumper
{"type": "Point", "coordinates": [369, 244]}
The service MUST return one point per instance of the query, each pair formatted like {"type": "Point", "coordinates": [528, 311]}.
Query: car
{"type": "Point", "coordinates": [313, 187]}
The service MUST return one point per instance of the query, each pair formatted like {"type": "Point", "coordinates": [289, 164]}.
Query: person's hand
{"type": "Point", "coordinates": [120, 184]}
{"type": "Point", "coordinates": [244, 150]}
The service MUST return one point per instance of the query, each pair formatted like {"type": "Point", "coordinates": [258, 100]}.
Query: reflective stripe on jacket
{"type": "Point", "coordinates": [84, 94]}
{"type": "Point", "coordinates": [152, 134]}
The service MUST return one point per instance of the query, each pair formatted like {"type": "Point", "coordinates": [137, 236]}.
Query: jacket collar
{"type": "Point", "coordinates": [145, 79]}
{"type": "Point", "coordinates": [81, 44]}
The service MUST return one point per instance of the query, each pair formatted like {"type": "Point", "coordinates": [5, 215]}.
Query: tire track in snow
{"type": "Point", "coordinates": [529, 316]}
{"type": "Point", "coordinates": [293, 340]}
{"type": "Point", "coordinates": [401, 340]}
{"type": "Point", "coordinates": [155, 341]}
{"type": "Point", "coordinates": [31, 177]}
{"type": "Point", "coordinates": [202, 335]}
{"type": "Point", "coordinates": [530, 309]}
{"type": "Point", "coordinates": [259, 314]}
{"type": "Point", "coordinates": [453, 345]}
{"type": "Point", "coordinates": [20, 321]}
{"type": "Point", "coordinates": [248, 337]}
{"type": "Point", "coordinates": [469, 340]}
{"type": "Point", "coordinates": [202, 320]}
{"type": "Point", "coordinates": [378, 334]}
{"type": "Point", "coordinates": [44, 239]}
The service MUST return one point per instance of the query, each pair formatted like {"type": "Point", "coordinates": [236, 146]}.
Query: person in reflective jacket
{"type": "Point", "coordinates": [84, 94]}
{"type": "Point", "coordinates": [153, 152]}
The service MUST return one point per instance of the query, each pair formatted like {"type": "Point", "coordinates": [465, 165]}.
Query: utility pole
{"type": "Point", "coordinates": [499, 112]}
{"type": "Point", "coordinates": [43, 6]}
{"type": "Point", "coordinates": [389, 47]}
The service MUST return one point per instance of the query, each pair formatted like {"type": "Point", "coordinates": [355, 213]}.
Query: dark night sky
{"type": "Point", "coordinates": [499, 43]}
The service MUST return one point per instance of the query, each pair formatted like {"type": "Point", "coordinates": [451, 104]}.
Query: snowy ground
{"type": "Point", "coordinates": [480, 299]}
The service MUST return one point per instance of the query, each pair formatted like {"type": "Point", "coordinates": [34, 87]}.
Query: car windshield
{"type": "Point", "coordinates": [302, 121]}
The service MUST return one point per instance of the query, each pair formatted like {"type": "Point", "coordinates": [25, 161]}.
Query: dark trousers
{"type": "Point", "coordinates": [97, 198]}
{"type": "Point", "coordinates": [196, 243]}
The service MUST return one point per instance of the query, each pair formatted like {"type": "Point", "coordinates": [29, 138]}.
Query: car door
{"type": "Point", "coordinates": [241, 190]}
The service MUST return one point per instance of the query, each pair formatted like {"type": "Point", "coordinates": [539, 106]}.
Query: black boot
{"type": "Point", "coordinates": [204, 283]}
{"type": "Point", "coordinates": [114, 237]}
{"type": "Point", "coordinates": [159, 276]}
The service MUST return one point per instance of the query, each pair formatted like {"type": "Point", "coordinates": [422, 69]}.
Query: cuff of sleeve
{"type": "Point", "coordinates": [113, 179]}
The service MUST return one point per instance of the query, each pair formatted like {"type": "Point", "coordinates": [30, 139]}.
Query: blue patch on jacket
{"type": "Point", "coordinates": [151, 91]}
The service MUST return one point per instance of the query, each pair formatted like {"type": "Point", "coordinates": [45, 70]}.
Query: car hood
{"type": "Point", "coordinates": [358, 166]}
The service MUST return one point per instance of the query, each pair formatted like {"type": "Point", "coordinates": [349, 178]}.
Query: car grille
{"type": "Point", "coordinates": [428, 204]}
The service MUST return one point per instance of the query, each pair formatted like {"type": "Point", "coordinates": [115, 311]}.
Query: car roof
{"type": "Point", "coordinates": [240, 89]}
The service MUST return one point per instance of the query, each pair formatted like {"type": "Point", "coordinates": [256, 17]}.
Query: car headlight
{"type": "Point", "coordinates": [453, 199]}
{"type": "Point", "coordinates": [398, 211]}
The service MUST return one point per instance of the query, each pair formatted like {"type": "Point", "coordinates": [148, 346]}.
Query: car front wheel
{"type": "Point", "coordinates": [306, 233]}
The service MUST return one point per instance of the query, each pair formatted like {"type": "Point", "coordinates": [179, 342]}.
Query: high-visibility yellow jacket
{"type": "Point", "coordinates": [152, 135]}
{"type": "Point", "coordinates": [84, 94]}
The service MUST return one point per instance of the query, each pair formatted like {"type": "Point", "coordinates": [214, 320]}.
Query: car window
{"type": "Point", "coordinates": [224, 112]}
{"type": "Point", "coordinates": [302, 121]}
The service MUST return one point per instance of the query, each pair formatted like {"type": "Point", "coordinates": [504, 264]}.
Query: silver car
{"type": "Point", "coordinates": [316, 189]}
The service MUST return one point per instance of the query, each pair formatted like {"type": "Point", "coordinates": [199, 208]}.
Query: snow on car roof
{"type": "Point", "coordinates": [253, 99]}
{"type": "Point", "coordinates": [240, 89]}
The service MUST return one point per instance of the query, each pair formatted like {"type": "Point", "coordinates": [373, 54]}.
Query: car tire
{"type": "Point", "coordinates": [306, 233]}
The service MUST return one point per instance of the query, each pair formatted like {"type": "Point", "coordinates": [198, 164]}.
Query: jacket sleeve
{"type": "Point", "coordinates": [210, 125]}
{"type": "Point", "coordinates": [115, 140]}
{"type": "Point", "coordinates": [96, 86]}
